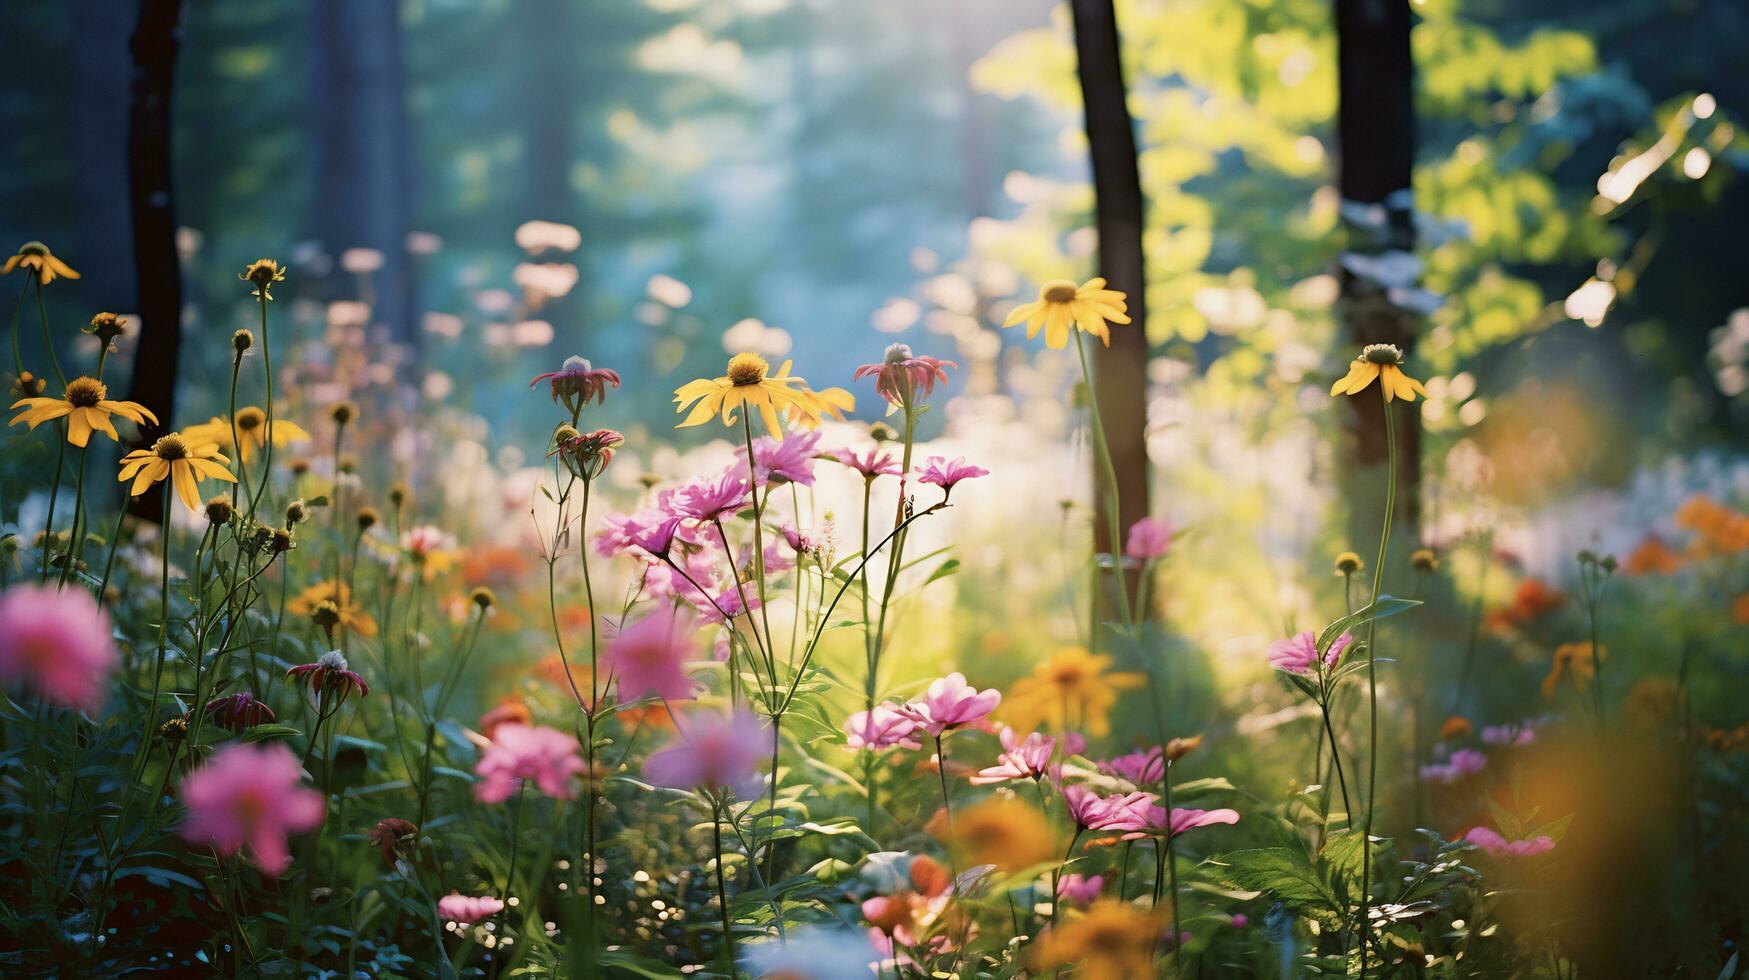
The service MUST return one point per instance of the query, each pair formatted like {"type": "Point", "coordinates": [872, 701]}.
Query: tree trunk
{"type": "Point", "coordinates": [151, 201]}
{"type": "Point", "coordinates": [1120, 371]}
{"type": "Point", "coordinates": [363, 147]}
{"type": "Point", "coordinates": [1375, 135]}
{"type": "Point", "coordinates": [100, 164]}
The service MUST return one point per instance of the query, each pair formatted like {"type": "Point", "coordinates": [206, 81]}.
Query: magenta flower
{"type": "Point", "coordinates": [713, 753]}
{"type": "Point", "coordinates": [1187, 819]}
{"type": "Point", "coordinates": [901, 375]}
{"type": "Point", "coordinates": [58, 642]}
{"type": "Point", "coordinates": [1121, 811]}
{"type": "Point", "coordinates": [886, 727]}
{"type": "Point", "coordinates": [1497, 846]}
{"type": "Point", "coordinates": [1509, 735]}
{"type": "Point", "coordinates": [1028, 759]}
{"type": "Point", "coordinates": [1463, 762]}
{"type": "Point", "coordinates": [1148, 539]}
{"type": "Point", "coordinates": [788, 460]}
{"type": "Point", "coordinates": [329, 676]}
{"type": "Point", "coordinates": [518, 752]}
{"type": "Point", "coordinates": [1299, 654]}
{"type": "Point", "coordinates": [951, 703]}
{"type": "Point", "coordinates": [944, 472]}
{"type": "Point", "coordinates": [709, 500]}
{"type": "Point", "coordinates": [649, 657]}
{"type": "Point", "coordinates": [465, 910]}
{"type": "Point", "coordinates": [1143, 767]}
{"type": "Point", "coordinates": [239, 711]}
{"type": "Point", "coordinates": [250, 795]}
{"type": "Point", "coordinates": [577, 382]}
{"type": "Point", "coordinates": [870, 464]}
{"type": "Point", "coordinates": [725, 606]}
{"type": "Point", "coordinates": [1080, 890]}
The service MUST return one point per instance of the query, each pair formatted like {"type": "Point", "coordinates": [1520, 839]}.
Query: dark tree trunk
{"type": "Point", "coordinates": [966, 25]}
{"type": "Point", "coordinates": [363, 147]}
{"type": "Point", "coordinates": [548, 97]}
{"type": "Point", "coordinates": [1375, 136]}
{"type": "Point", "coordinates": [151, 201]}
{"type": "Point", "coordinates": [1120, 371]}
{"type": "Point", "coordinates": [100, 160]}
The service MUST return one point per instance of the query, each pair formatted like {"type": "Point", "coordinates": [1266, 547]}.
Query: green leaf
{"type": "Point", "coordinates": [261, 733]}
{"type": "Point", "coordinates": [1284, 871]}
{"type": "Point", "coordinates": [1385, 607]}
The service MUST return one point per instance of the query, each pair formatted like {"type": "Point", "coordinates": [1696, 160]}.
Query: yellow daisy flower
{"type": "Point", "coordinates": [1072, 690]}
{"type": "Point", "coordinates": [749, 384]}
{"type": "Point", "coordinates": [262, 274]}
{"type": "Point", "coordinates": [1006, 833]}
{"type": "Point", "coordinates": [36, 255]}
{"type": "Point", "coordinates": [86, 407]}
{"type": "Point", "coordinates": [1061, 304]}
{"type": "Point", "coordinates": [1112, 940]}
{"type": "Point", "coordinates": [1384, 362]}
{"type": "Point", "coordinates": [179, 459]}
{"type": "Point", "coordinates": [351, 617]}
{"type": "Point", "coordinates": [253, 432]}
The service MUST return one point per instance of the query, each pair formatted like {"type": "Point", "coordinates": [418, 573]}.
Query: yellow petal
{"type": "Point", "coordinates": [78, 427]}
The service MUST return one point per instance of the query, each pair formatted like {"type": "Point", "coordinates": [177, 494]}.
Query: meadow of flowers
{"type": "Point", "coordinates": [318, 710]}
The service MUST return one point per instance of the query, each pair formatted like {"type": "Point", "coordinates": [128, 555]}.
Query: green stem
{"type": "Point", "coordinates": [717, 817]}
{"type": "Point", "coordinates": [1372, 685]}
{"type": "Point", "coordinates": [48, 337]}
{"type": "Point", "coordinates": [1114, 520]}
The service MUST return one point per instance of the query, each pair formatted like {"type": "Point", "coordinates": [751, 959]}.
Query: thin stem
{"type": "Point", "coordinates": [48, 337]}
{"type": "Point", "coordinates": [1372, 685]}
{"type": "Point", "coordinates": [717, 817]}
{"type": "Point", "coordinates": [1114, 520]}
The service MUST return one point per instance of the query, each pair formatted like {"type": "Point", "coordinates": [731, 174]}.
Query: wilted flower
{"type": "Point", "coordinates": [239, 711]}
{"type": "Point", "coordinates": [901, 375]}
{"type": "Point", "coordinates": [577, 383]}
{"type": "Point", "coordinates": [250, 795]}
{"type": "Point", "coordinates": [37, 257]}
{"type": "Point", "coordinates": [57, 642]}
{"type": "Point", "coordinates": [388, 835]}
{"type": "Point", "coordinates": [329, 676]}
{"type": "Point", "coordinates": [545, 756]}
{"type": "Point", "coordinates": [262, 274]}
{"type": "Point", "coordinates": [586, 454]}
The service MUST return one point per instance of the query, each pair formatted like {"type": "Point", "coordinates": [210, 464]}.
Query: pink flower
{"type": "Point", "coordinates": [1143, 767]}
{"type": "Point", "coordinates": [1498, 846]}
{"type": "Point", "coordinates": [527, 752]}
{"type": "Point", "coordinates": [708, 500]}
{"type": "Point", "coordinates": [1186, 819]}
{"type": "Point", "coordinates": [425, 540]}
{"type": "Point", "coordinates": [577, 382]}
{"type": "Point", "coordinates": [1029, 759]}
{"type": "Point", "coordinates": [463, 910]}
{"type": "Point", "coordinates": [712, 752]}
{"type": "Point", "coordinates": [944, 472]}
{"type": "Point", "coordinates": [1080, 890]}
{"type": "Point", "coordinates": [1299, 653]}
{"type": "Point", "coordinates": [951, 703]}
{"type": "Point", "coordinates": [329, 676]}
{"type": "Point", "coordinates": [901, 374]}
{"type": "Point", "coordinates": [1241, 920]}
{"type": "Point", "coordinates": [1121, 811]}
{"type": "Point", "coordinates": [239, 711]}
{"type": "Point", "coordinates": [1510, 735]}
{"type": "Point", "coordinates": [725, 606]}
{"type": "Point", "coordinates": [784, 460]}
{"type": "Point", "coordinates": [870, 464]}
{"type": "Point", "coordinates": [253, 795]}
{"type": "Point", "coordinates": [648, 658]}
{"type": "Point", "coordinates": [1148, 539]}
{"type": "Point", "coordinates": [886, 727]}
{"type": "Point", "coordinates": [1463, 762]}
{"type": "Point", "coordinates": [58, 642]}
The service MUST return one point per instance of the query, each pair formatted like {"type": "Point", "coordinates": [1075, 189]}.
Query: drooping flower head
{"type": "Point", "coordinates": [181, 461]}
{"type": "Point", "coordinates": [239, 712]}
{"type": "Point", "coordinates": [870, 464]}
{"type": "Point", "coordinates": [1383, 362]}
{"type": "Point", "coordinates": [250, 795]}
{"type": "Point", "coordinates": [86, 406]}
{"type": "Point", "coordinates": [783, 460]}
{"type": "Point", "coordinates": [58, 643]}
{"type": "Point", "coordinates": [1034, 757]}
{"type": "Point", "coordinates": [949, 703]}
{"type": "Point", "coordinates": [36, 257]}
{"type": "Point", "coordinates": [748, 385]}
{"type": "Point", "coordinates": [902, 375]}
{"type": "Point", "coordinates": [1496, 845]}
{"type": "Point", "coordinates": [887, 726]}
{"type": "Point", "coordinates": [329, 678]}
{"type": "Point", "coordinates": [1148, 539]}
{"type": "Point", "coordinates": [713, 753]}
{"type": "Point", "coordinates": [544, 756]}
{"type": "Point", "coordinates": [577, 383]}
{"type": "Point", "coordinates": [945, 473]}
{"type": "Point", "coordinates": [389, 835]}
{"type": "Point", "coordinates": [465, 910]}
{"type": "Point", "coordinates": [649, 657]}
{"type": "Point", "coordinates": [1062, 305]}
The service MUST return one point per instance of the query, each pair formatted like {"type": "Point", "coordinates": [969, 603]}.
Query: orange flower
{"type": "Point", "coordinates": [509, 710]}
{"type": "Point", "coordinates": [351, 616]}
{"type": "Point", "coordinates": [1457, 726]}
{"type": "Point", "coordinates": [1531, 600]}
{"type": "Point", "coordinates": [1112, 940]}
{"type": "Point", "coordinates": [1576, 659]}
{"type": "Point", "coordinates": [1652, 557]}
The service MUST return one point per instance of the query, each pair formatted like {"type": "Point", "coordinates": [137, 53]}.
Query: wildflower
{"type": "Point", "coordinates": [949, 703]}
{"type": "Point", "coordinates": [1508, 735]}
{"type": "Point", "coordinates": [709, 500]}
{"type": "Point", "coordinates": [250, 795]}
{"type": "Point", "coordinates": [1424, 560]}
{"type": "Point", "coordinates": [465, 911]}
{"type": "Point", "coordinates": [28, 385]}
{"type": "Point", "coordinates": [351, 617]}
{"type": "Point", "coordinates": [262, 274]}
{"type": "Point", "coordinates": [577, 383]}
{"type": "Point", "coordinates": [1349, 563]}
{"type": "Point", "coordinates": [36, 256]}
{"type": "Point", "coordinates": [1061, 305]}
{"type": "Point", "coordinates": [1080, 889]}
{"type": "Point", "coordinates": [886, 727]}
{"type": "Point", "coordinates": [1112, 940]}
{"type": "Point", "coordinates": [587, 455]}
{"type": "Point", "coordinates": [1531, 600]}
{"type": "Point", "coordinates": [510, 711]}
{"type": "Point", "coordinates": [1455, 727]}
{"type": "Point", "coordinates": [944, 472]}
{"type": "Point", "coordinates": [1120, 811]}
{"type": "Point", "coordinates": [901, 375]}
{"type": "Point", "coordinates": [482, 598]}
{"type": "Point", "coordinates": [1498, 846]}
{"type": "Point", "coordinates": [784, 460]}
{"type": "Point", "coordinates": [242, 341]}
{"type": "Point", "coordinates": [1385, 363]}
{"type": "Point", "coordinates": [106, 327]}
{"type": "Point", "coordinates": [1576, 659]}
{"type": "Point", "coordinates": [253, 432]}
{"type": "Point", "coordinates": [747, 385]}
{"type": "Point", "coordinates": [389, 835]}
{"type": "Point", "coordinates": [58, 642]}
{"type": "Point", "coordinates": [1072, 689]}
{"type": "Point", "coordinates": [870, 464]}
{"type": "Point", "coordinates": [367, 518]}
{"type": "Point", "coordinates": [430, 548]}
{"type": "Point", "coordinates": [544, 755]}
{"type": "Point", "coordinates": [1463, 762]}
{"type": "Point", "coordinates": [1028, 759]}
{"type": "Point", "coordinates": [649, 657]}
{"type": "Point", "coordinates": [1299, 654]}
{"type": "Point", "coordinates": [86, 406]}
{"type": "Point", "coordinates": [1184, 819]}
{"type": "Point", "coordinates": [239, 712]}
{"type": "Point", "coordinates": [1006, 833]}
{"type": "Point", "coordinates": [813, 953]}
{"type": "Point", "coordinates": [1148, 539]}
{"type": "Point", "coordinates": [911, 904]}
{"type": "Point", "coordinates": [219, 509]}
{"type": "Point", "coordinates": [1143, 767]}
{"type": "Point", "coordinates": [1652, 557]}
{"type": "Point", "coordinates": [177, 459]}
{"type": "Point", "coordinates": [713, 753]}
{"type": "Point", "coordinates": [329, 676]}
{"type": "Point", "coordinates": [342, 413]}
